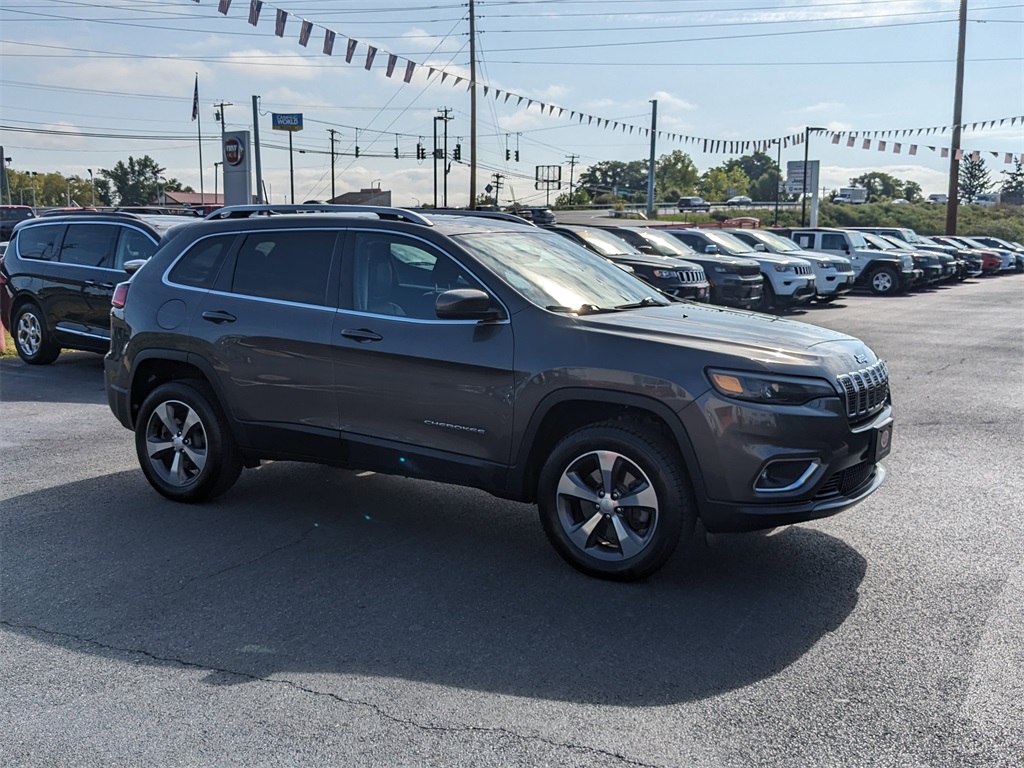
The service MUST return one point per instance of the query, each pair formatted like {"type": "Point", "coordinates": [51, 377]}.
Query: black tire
{"type": "Point", "coordinates": [31, 338]}
{"type": "Point", "coordinates": [826, 299]}
{"type": "Point", "coordinates": [578, 501]}
{"type": "Point", "coordinates": [767, 300]}
{"type": "Point", "coordinates": [184, 444]}
{"type": "Point", "coordinates": [884, 281]}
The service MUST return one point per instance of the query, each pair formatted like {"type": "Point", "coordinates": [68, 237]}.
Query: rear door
{"type": "Point", "coordinates": [266, 328]}
{"type": "Point", "coordinates": [82, 283]}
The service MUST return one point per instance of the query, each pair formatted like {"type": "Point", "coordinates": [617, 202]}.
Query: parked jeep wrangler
{"type": "Point", "coordinates": [492, 354]}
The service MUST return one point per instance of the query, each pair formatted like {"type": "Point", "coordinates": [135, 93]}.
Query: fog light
{"type": "Point", "coordinates": [785, 475]}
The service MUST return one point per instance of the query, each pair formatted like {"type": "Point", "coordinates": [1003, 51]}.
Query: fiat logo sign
{"type": "Point", "coordinates": [233, 151]}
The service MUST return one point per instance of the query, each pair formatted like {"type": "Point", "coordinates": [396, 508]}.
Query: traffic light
{"type": "Point", "coordinates": [421, 152]}
{"type": "Point", "coordinates": [396, 152]}
{"type": "Point", "coordinates": [508, 155]}
{"type": "Point", "coordinates": [457, 154]}
{"type": "Point", "coordinates": [517, 155]}
{"type": "Point", "coordinates": [357, 150]}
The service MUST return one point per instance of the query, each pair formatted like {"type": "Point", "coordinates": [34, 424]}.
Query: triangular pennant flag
{"type": "Point", "coordinates": [520, 101]}
{"type": "Point", "coordinates": [410, 66]}
{"type": "Point", "coordinates": [458, 80]}
{"type": "Point", "coordinates": [507, 96]}
{"type": "Point", "coordinates": [255, 6]}
{"type": "Point", "coordinates": [529, 103]}
{"type": "Point", "coordinates": [590, 119]}
{"type": "Point", "coordinates": [561, 112]}
{"type": "Point", "coordinates": [223, 6]}
{"type": "Point", "coordinates": [370, 53]}
{"type": "Point", "coordinates": [444, 76]}
{"type": "Point", "coordinates": [994, 154]}
{"type": "Point", "coordinates": [497, 94]}
{"type": "Point", "coordinates": [430, 72]}
{"type": "Point", "coordinates": [350, 50]}
{"type": "Point", "coordinates": [392, 61]}
{"type": "Point", "coordinates": [304, 32]}
{"type": "Point", "coordinates": [485, 90]}
{"type": "Point", "coordinates": [282, 19]}
{"type": "Point", "coordinates": [328, 42]}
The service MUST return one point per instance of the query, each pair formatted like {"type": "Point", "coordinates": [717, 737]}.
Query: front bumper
{"type": "Point", "coordinates": [735, 291]}
{"type": "Point", "coordinates": [832, 283]}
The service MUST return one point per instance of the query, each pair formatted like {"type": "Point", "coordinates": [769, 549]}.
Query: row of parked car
{"type": "Point", "coordinates": [60, 280]}
{"type": "Point", "coordinates": [782, 268]}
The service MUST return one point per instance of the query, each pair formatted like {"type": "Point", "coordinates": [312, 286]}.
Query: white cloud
{"type": "Point", "coordinates": [674, 102]}
{"type": "Point", "coordinates": [258, 64]}
{"type": "Point", "coordinates": [930, 179]}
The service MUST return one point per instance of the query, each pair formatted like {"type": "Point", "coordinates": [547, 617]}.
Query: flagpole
{"type": "Point", "coordinates": [472, 107]}
{"type": "Point", "coordinates": [199, 138]}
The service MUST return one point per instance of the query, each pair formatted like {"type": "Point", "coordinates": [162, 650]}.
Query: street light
{"type": "Point", "coordinates": [803, 197]}
{"type": "Point", "coordinates": [7, 176]}
{"type": "Point", "coordinates": [216, 172]}
{"type": "Point", "coordinates": [92, 186]}
{"type": "Point", "coordinates": [34, 174]}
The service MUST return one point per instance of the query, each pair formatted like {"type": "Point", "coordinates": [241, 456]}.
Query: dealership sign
{"type": "Point", "coordinates": [288, 122]}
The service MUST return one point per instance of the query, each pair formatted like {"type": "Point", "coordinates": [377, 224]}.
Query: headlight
{"type": "Point", "coordinates": [666, 274]}
{"type": "Point", "coordinates": [783, 268]}
{"type": "Point", "coordinates": [725, 268]}
{"type": "Point", "coordinates": [907, 261]}
{"type": "Point", "coordinates": [827, 265]}
{"type": "Point", "coordinates": [769, 388]}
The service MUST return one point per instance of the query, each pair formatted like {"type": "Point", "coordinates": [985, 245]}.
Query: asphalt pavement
{"type": "Point", "coordinates": [318, 617]}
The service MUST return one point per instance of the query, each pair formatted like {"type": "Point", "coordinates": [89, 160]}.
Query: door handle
{"type": "Point", "coordinates": [108, 286]}
{"type": "Point", "coordinates": [219, 316]}
{"type": "Point", "coordinates": [361, 335]}
{"type": "Point", "coordinates": [90, 283]}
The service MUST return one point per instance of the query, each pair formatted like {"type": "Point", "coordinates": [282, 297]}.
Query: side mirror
{"type": "Point", "coordinates": [133, 266]}
{"type": "Point", "coordinates": [760, 247]}
{"type": "Point", "coordinates": [466, 304]}
{"type": "Point", "coordinates": [710, 249]}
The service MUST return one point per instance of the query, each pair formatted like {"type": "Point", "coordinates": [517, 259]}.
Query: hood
{"type": "Point", "coordinates": [652, 261]}
{"type": "Point", "coordinates": [739, 339]}
{"type": "Point", "coordinates": [788, 259]}
{"type": "Point", "coordinates": [815, 256]}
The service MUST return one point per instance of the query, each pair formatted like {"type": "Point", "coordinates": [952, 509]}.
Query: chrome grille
{"type": "Point", "coordinates": [803, 270]}
{"type": "Point", "coordinates": [866, 390]}
{"type": "Point", "coordinates": [693, 276]}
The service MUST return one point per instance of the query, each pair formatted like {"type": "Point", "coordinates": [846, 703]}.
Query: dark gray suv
{"type": "Point", "coordinates": [490, 354]}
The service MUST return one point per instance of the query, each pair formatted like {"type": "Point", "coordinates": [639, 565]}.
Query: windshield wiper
{"type": "Point", "coordinates": [647, 301]}
{"type": "Point", "coordinates": [583, 309]}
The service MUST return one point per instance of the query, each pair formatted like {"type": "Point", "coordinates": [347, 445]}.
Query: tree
{"type": "Point", "coordinates": [762, 172]}
{"type": "Point", "coordinates": [609, 175]}
{"type": "Point", "coordinates": [140, 181]}
{"type": "Point", "coordinates": [719, 183]}
{"type": "Point", "coordinates": [579, 197]}
{"type": "Point", "coordinates": [880, 186]}
{"type": "Point", "coordinates": [974, 178]}
{"type": "Point", "coordinates": [912, 191]}
{"type": "Point", "coordinates": [675, 175]}
{"type": "Point", "coordinates": [1013, 184]}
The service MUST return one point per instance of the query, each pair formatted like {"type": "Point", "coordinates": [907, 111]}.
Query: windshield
{"type": "Point", "coordinates": [667, 245]}
{"type": "Point", "coordinates": [910, 236]}
{"type": "Point", "coordinates": [856, 239]}
{"type": "Point", "coordinates": [778, 242]}
{"type": "Point", "coordinates": [727, 243]}
{"type": "Point", "coordinates": [556, 273]}
{"type": "Point", "coordinates": [902, 244]}
{"type": "Point", "coordinates": [878, 243]}
{"type": "Point", "coordinates": [606, 244]}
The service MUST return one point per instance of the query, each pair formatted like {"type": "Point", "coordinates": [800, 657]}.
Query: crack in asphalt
{"type": "Point", "coordinates": [242, 564]}
{"type": "Point", "coordinates": [379, 711]}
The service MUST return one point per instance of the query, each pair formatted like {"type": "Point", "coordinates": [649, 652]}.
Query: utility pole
{"type": "Point", "coordinates": [332, 132]}
{"type": "Point", "coordinates": [433, 155]}
{"type": "Point", "coordinates": [572, 168]}
{"type": "Point", "coordinates": [650, 169]}
{"type": "Point", "coordinates": [260, 197]}
{"type": "Point", "coordinates": [445, 116]}
{"type": "Point", "coordinates": [778, 181]}
{"type": "Point", "coordinates": [497, 187]}
{"type": "Point", "coordinates": [218, 114]}
{"type": "Point", "coordinates": [472, 105]}
{"type": "Point", "coordinates": [952, 200]}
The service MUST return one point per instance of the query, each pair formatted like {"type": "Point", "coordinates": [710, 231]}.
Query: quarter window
{"type": "Point", "coordinates": [132, 245]}
{"type": "Point", "coordinates": [199, 265]}
{"type": "Point", "coordinates": [832, 242]}
{"type": "Point", "coordinates": [89, 245]}
{"type": "Point", "coordinates": [287, 266]}
{"type": "Point", "coordinates": [39, 242]}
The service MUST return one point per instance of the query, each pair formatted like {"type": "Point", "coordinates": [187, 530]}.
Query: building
{"type": "Point", "coordinates": [372, 196]}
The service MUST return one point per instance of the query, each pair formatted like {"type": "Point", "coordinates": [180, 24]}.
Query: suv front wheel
{"type": "Point", "coordinates": [614, 500]}
{"type": "Point", "coordinates": [184, 444]}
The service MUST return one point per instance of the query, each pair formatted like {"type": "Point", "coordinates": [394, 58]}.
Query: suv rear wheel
{"type": "Point", "coordinates": [183, 442]}
{"type": "Point", "coordinates": [31, 338]}
{"type": "Point", "coordinates": [615, 500]}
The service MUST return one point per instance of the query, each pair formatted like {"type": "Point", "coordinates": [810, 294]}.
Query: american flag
{"type": "Point", "coordinates": [195, 100]}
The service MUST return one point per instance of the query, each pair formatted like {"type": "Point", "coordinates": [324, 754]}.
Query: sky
{"type": "Point", "coordinates": [84, 84]}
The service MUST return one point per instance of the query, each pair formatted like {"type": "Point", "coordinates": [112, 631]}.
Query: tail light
{"type": "Point", "coordinates": [120, 295]}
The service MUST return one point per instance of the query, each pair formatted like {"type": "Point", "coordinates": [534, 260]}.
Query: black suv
{"type": "Point", "coordinates": [60, 271]}
{"type": "Point", "coordinates": [693, 204]}
{"type": "Point", "coordinates": [491, 354]}
{"type": "Point", "coordinates": [10, 215]}
{"type": "Point", "coordinates": [682, 279]}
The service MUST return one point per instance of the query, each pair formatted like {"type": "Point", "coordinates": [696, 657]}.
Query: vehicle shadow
{"type": "Point", "coordinates": [304, 569]}
{"type": "Point", "coordinates": [75, 377]}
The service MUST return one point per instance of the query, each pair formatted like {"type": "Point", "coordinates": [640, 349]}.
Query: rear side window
{"type": "Point", "coordinates": [803, 240]}
{"type": "Point", "coordinates": [89, 245]}
{"type": "Point", "coordinates": [290, 266]}
{"type": "Point", "coordinates": [39, 242]}
{"type": "Point", "coordinates": [833, 242]}
{"type": "Point", "coordinates": [199, 266]}
{"type": "Point", "coordinates": [132, 245]}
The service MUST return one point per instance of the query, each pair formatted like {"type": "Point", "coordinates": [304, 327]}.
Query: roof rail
{"type": "Point", "coordinates": [500, 215]}
{"type": "Point", "coordinates": [383, 212]}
